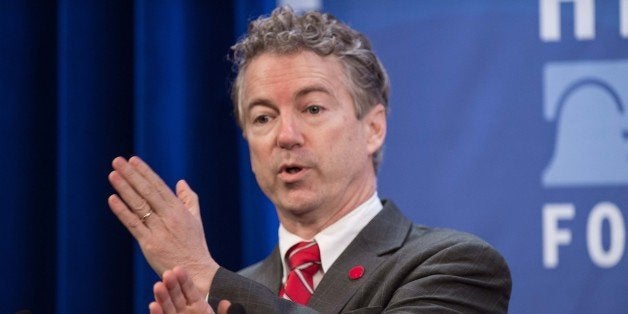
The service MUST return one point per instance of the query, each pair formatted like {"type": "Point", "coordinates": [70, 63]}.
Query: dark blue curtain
{"type": "Point", "coordinates": [84, 81]}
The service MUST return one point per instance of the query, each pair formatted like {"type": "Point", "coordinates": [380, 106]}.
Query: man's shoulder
{"type": "Point", "coordinates": [250, 270]}
{"type": "Point", "coordinates": [443, 237]}
{"type": "Point", "coordinates": [260, 267]}
{"type": "Point", "coordinates": [427, 263]}
{"type": "Point", "coordinates": [434, 242]}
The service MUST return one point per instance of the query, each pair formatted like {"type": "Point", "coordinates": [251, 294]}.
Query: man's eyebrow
{"type": "Point", "coordinates": [310, 89]}
{"type": "Point", "coordinates": [302, 92]}
{"type": "Point", "coordinates": [259, 102]}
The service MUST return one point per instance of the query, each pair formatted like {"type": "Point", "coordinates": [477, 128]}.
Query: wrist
{"type": "Point", "coordinates": [203, 276]}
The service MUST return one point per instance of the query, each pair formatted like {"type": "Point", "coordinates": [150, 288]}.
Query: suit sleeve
{"type": "Point", "coordinates": [254, 297]}
{"type": "Point", "coordinates": [464, 277]}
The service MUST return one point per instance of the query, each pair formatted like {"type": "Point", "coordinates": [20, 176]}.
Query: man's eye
{"type": "Point", "coordinates": [314, 109]}
{"type": "Point", "coordinates": [261, 119]}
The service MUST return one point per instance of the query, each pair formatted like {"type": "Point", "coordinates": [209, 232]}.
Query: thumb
{"type": "Point", "coordinates": [188, 197]}
{"type": "Point", "coordinates": [224, 307]}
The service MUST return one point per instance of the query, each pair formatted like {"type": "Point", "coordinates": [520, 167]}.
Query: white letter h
{"type": "Point", "coordinates": [549, 19]}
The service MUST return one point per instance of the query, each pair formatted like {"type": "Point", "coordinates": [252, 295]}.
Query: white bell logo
{"type": "Point", "coordinates": [591, 145]}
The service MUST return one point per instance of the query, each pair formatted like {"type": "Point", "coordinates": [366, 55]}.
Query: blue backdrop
{"type": "Point", "coordinates": [507, 120]}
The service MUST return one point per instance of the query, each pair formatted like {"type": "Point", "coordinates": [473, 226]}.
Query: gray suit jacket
{"type": "Point", "coordinates": [408, 268]}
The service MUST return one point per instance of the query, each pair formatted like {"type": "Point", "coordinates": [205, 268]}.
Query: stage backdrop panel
{"type": "Point", "coordinates": [508, 120]}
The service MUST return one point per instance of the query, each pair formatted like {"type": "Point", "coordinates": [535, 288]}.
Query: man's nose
{"type": "Point", "coordinates": [289, 134]}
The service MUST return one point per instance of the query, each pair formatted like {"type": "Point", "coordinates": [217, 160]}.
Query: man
{"type": "Point", "coordinates": [311, 99]}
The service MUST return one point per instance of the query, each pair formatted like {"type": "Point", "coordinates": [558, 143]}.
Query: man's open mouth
{"type": "Point", "coordinates": [292, 170]}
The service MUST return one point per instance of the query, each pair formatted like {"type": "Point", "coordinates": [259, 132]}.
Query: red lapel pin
{"type": "Point", "coordinates": [356, 272]}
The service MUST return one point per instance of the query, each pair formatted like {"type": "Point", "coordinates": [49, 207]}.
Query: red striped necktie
{"type": "Point", "coordinates": [304, 260]}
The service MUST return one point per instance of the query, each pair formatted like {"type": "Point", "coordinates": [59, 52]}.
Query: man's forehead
{"type": "Point", "coordinates": [271, 61]}
{"type": "Point", "coordinates": [291, 72]}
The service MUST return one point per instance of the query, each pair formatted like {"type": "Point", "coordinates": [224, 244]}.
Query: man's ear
{"type": "Point", "coordinates": [375, 122]}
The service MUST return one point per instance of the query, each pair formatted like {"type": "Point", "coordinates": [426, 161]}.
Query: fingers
{"type": "Point", "coordinates": [154, 180]}
{"type": "Point", "coordinates": [155, 308]}
{"type": "Point", "coordinates": [137, 182]}
{"type": "Point", "coordinates": [135, 202]}
{"type": "Point", "coordinates": [223, 307]}
{"type": "Point", "coordinates": [163, 299]}
{"type": "Point", "coordinates": [190, 291]}
{"type": "Point", "coordinates": [188, 197]}
{"type": "Point", "coordinates": [181, 292]}
{"type": "Point", "coordinates": [130, 220]}
{"type": "Point", "coordinates": [176, 293]}
{"type": "Point", "coordinates": [174, 289]}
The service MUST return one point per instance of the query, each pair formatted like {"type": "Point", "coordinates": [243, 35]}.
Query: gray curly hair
{"type": "Point", "coordinates": [286, 32]}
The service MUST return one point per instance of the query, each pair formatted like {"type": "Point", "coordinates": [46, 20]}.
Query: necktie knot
{"type": "Point", "coordinates": [303, 253]}
{"type": "Point", "coordinates": [304, 260]}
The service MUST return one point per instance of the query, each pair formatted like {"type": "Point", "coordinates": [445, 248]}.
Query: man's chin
{"type": "Point", "coordinates": [298, 206]}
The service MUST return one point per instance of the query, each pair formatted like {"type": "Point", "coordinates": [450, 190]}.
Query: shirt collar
{"type": "Point", "coordinates": [334, 239]}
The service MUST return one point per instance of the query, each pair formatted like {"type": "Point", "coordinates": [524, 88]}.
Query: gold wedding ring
{"type": "Point", "coordinates": [150, 212]}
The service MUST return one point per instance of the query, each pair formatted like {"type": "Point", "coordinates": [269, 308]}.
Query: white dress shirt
{"type": "Point", "coordinates": [334, 239]}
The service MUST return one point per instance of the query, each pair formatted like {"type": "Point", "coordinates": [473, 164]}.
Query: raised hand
{"type": "Point", "coordinates": [177, 294]}
{"type": "Point", "coordinates": [167, 227]}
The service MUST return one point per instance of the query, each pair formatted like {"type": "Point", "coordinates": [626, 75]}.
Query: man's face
{"type": "Point", "coordinates": [310, 154]}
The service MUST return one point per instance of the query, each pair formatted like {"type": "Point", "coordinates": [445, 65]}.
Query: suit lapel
{"type": "Point", "coordinates": [384, 234]}
{"type": "Point", "coordinates": [268, 272]}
